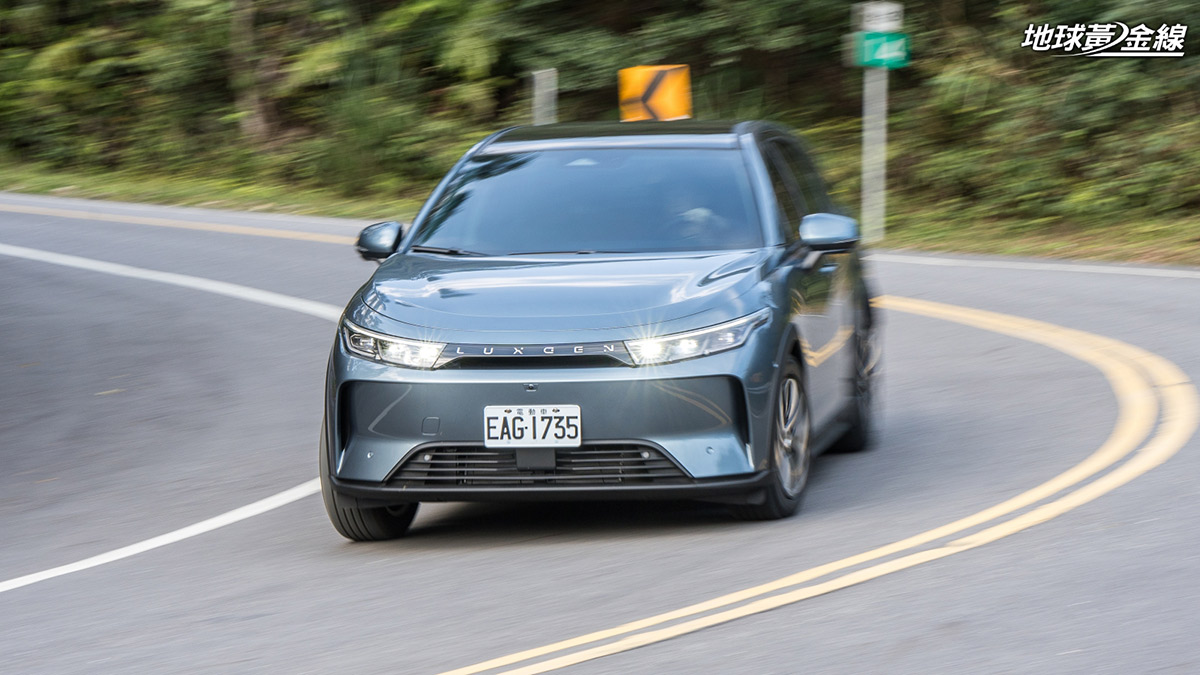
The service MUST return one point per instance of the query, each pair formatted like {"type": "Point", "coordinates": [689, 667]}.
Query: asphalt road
{"type": "Point", "coordinates": [130, 408]}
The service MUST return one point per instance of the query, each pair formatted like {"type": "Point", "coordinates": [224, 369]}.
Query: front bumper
{"type": "Point", "coordinates": [692, 429]}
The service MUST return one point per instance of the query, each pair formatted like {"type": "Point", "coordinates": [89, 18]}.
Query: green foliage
{"type": "Point", "coordinates": [1003, 133]}
{"type": "Point", "coordinates": [379, 96]}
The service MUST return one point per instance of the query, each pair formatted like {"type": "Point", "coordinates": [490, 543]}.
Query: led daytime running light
{"type": "Point", "coordinates": [389, 349]}
{"type": "Point", "coordinates": [693, 344]}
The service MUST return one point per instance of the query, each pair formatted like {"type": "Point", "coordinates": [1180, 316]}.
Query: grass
{"type": "Point", "coordinates": [1166, 241]}
{"type": "Point", "coordinates": [203, 192]}
{"type": "Point", "coordinates": [1162, 241]}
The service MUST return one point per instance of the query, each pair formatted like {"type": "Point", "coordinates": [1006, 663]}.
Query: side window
{"type": "Point", "coordinates": [791, 210]}
{"type": "Point", "coordinates": [807, 179]}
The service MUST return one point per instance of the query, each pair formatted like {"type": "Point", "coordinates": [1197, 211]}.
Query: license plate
{"type": "Point", "coordinates": [543, 426]}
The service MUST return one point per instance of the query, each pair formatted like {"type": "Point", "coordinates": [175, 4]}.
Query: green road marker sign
{"type": "Point", "coordinates": [881, 50]}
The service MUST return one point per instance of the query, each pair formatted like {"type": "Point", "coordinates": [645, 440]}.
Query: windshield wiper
{"type": "Point", "coordinates": [420, 248]}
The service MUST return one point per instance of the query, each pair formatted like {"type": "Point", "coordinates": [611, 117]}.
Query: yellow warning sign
{"type": "Point", "coordinates": [655, 93]}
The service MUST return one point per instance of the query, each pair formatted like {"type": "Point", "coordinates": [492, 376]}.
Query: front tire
{"type": "Point", "coordinates": [791, 452]}
{"type": "Point", "coordinates": [361, 523]}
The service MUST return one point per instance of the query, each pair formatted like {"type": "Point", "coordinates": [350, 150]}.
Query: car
{"type": "Point", "coordinates": [659, 310]}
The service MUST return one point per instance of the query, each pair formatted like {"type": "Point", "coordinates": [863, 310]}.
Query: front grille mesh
{"type": "Point", "coordinates": [590, 464]}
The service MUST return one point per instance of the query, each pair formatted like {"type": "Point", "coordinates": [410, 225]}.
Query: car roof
{"type": "Point", "coordinates": [588, 135]}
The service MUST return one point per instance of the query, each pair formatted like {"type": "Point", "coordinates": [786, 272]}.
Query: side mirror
{"type": "Point", "coordinates": [377, 242]}
{"type": "Point", "coordinates": [829, 232]}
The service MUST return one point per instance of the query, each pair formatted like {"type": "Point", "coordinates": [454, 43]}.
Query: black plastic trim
{"type": "Point", "coordinates": [699, 489]}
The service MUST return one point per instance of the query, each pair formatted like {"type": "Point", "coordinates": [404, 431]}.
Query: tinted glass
{"type": "Point", "coordinates": [806, 177]}
{"type": "Point", "coordinates": [626, 199]}
{"type": "Point", "coordinates": [790, 211]}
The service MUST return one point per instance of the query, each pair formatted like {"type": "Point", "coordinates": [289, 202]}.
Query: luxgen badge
{"type": "Point", "coordinates": [1106, 39]}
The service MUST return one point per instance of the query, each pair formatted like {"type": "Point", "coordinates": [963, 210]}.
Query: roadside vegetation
{"type": "Point", "coordinates": [356, 108]}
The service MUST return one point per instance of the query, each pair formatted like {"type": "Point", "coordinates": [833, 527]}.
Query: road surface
{"type": "Point", "coordinates": [149, 387]}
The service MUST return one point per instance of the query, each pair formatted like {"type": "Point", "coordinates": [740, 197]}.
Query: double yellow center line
{"type": "Point", "coordinates": [1142, 382]}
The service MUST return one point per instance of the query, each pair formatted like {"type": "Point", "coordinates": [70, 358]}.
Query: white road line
{"type": "Point", "coordinates": [228, 518]}
{"type": "Point", "coordinates": [1040, 266]}
{"type": "Point", "coordinates": [312, 308]}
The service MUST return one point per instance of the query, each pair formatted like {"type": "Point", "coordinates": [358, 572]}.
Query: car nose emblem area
{"type": "Point", "coordinates": [531, 387]}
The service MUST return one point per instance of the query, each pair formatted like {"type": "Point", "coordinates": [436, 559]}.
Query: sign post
{"type": "Point", "coordinates": [877, 46]}
{"type": "Point", "coordinates": [874, 153]}
{"type": "Point", "coordinates": [545, 96]}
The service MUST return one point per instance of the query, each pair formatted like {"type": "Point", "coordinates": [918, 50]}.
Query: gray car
{"type": "Point", "coordinates": [602, 311]}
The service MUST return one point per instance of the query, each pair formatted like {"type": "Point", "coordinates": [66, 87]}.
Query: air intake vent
{"type": "Point", "coordinates": [592, 464]}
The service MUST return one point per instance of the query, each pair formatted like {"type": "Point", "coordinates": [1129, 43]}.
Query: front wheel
{"type": "Point", "coordinates": [361, 523]}
{"type": "Point", "coordinates": [791, 454]}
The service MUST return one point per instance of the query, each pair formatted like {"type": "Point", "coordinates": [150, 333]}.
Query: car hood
{"type": "Point", "coordinates": [555, 293]}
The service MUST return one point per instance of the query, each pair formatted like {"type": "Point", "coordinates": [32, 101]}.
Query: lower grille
{"type": "Point", "coordinates": [588, 465]}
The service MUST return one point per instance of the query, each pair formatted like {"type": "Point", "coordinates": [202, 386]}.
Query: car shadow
{"type": "Point", "coordinates": [467, 524]}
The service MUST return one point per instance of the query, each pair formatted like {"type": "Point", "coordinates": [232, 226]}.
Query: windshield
{"type": "Point", "coordinates": [595, 201]}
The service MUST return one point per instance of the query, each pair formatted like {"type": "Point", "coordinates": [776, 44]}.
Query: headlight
{"type": "Point", "coordinates": [701, 342]}
{"type": "Point", "coordinates": [393, 350]}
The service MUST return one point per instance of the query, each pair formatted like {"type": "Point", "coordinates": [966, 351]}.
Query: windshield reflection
{"type": "Point", "coordinates": [628, 200]}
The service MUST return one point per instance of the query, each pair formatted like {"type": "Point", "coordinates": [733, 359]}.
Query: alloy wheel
{"type": "Point", "coordinates": [791, 437]}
